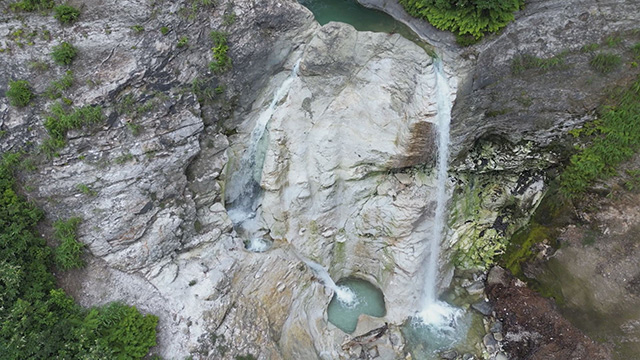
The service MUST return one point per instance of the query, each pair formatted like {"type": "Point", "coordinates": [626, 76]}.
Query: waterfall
{"type": "Point", "coordinates": [433, 311]}
{"type": "Point", "coordinates": [243, 191]}
{"type": "Point", "coordinates": [345, 295]}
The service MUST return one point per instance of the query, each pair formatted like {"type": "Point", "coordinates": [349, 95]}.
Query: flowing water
{"type": "Point", "coordinates": [343, 294]}
{"type": "Point", "coordinates": [443, 119]}
{"type": "Point", "coordinates": [243, 191]}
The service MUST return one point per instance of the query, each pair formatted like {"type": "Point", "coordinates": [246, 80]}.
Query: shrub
{"type": "Point", "coordinates": [19, 93]}
{"type": "Point", "coordinates": [64, 53]}
{"type": "Point", "coordinates": [605, 62]}
{"type": "Point", "coordinates": [60, 121]}
{"type": "Point", "coordinates": [527, 62]}
{"type": "Point", "coordinates": [66, 14]}
{"type": "Point", "coordinates": [137, 28]}
{"type": "Point", "coordinates": [636, 50]}
{"type": "Point", "coordinates": [464, 17]}
{"type": "Point", "coordinates": [38, 320]}
{"type": "Point", "coordinates": [221, 61]}
{"type": "Point", "coordinates": [164, 30]}
{"type": "Point", "coordinates": [67, 254]}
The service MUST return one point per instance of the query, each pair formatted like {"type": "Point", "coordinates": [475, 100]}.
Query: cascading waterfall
{"type": "Point", "coordinates": [243, 192]}
{"type": "Point", "coordinates": [345, 295]}
{"type": "Point", "coordinates": [433, 311]}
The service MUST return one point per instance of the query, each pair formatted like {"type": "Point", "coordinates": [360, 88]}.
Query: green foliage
{"type": "Point", "coordinates": [613, 41]}
{"type": "Point", "coordinates": [245, 357]}
{"type": "Point", "coordinates": [605, 62]}
{"type": "Point", "coordinates": [85, 189]}
{"type": "Point", "coordinates": [589, 48]}
{"type": "Point", "coordinates": [525, 62]}
{"type": "Point", "coordinates": [32, 5]}
{"type": "Point", "coordinates": [124, 158]}
{"type": "Point", "coordinates": [67, 254]}
{"type": "Point", "coordinates": [54, 90]}
{"type": "Point", "coordinates": [137, 28]}
{"type": "Point", "coordinates": [164, 30]}
{"type": "Point", "coordinates": [64, 53]}
{"type": "Point", "coordinates": [62, 120]}
{"type": "Point", "coordinates": [184, 41]}
{"type": "Point", "coordinates": [38, 320]}
{"type": "Point", "coordinates": [39, 65]}
{"type": "Point", "coordinates": [66, 14]}
{"type": "Point", "coordinates": [19, 93]}
{"type": "Point", "coordinates": [636, 50]}
{"type": "Point", "coordinates": [221, 61]}
{"type": "Point", "coordinates": [615, 138]}
{"type": "Point", "coordinates": [464, 17]}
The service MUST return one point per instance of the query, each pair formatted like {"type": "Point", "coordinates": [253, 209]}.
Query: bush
{"type": "Point", "coordinates": [19, 93]}
{"type": "Point", "coordinates": [67, 254]}
{"type": "Point", "coordinates": [221, 61]}
{"type": "Point", "coordinates": [66, 14]}
{"type": "Point", "coordinates": [464, 17]}
{"type": "Point", "coordinates": [605, 62]}
{"type": "Point", "coordinates": [64, 53]}
{"type": "Point", "coordinates": [60, 121]}
{"type": "Point", "coordinates": [54, 90]}
{"type": "Point", "coordinates": [164, 30]}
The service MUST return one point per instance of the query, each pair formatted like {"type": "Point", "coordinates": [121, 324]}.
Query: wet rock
{"type": "Point", "coordinates": [449, 355]}
{"type": "Point", "coordinates": [498, 336]}
{"type": "Point", "coordinates": [483, 307]}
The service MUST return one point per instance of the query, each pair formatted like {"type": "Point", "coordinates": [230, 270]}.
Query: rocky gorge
{"type": "Point", "coordinates": [345, 174]}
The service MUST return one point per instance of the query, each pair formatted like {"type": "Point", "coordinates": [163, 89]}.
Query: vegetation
{"type": "Point", "coordinates": [68, 252]}
{"type": "Point", "coordinates": [527, 62]}
{"type": "Point", "coordinates": [54, 90]}
{"type": "Point", "coordinates": [38, 320]}
{"type": "Point", "coordinates": [221, 61]}
{"type": "Point", "coordinates": [60, 121]}
{"type": "Point", "coordinates": [164, 30]}
{"type": "Point", "coordinates": [19, 93]}
{"type": "Point", "coordinates": [66, 14]}
{"type": "Point", "coordinates": [615, 137]}
{"type": "Point", "coordinates": [64, 53]}
{"type": "Point", "coordinates": [137, 28]}
{"type": "Point", "coordinates": [468, 19]}
{"type": "Point", "coordinates": [184, 41]}
{"type": "Point", "coordinates": [605, 62]}
{"type": "Point", "coordinates": [32, 5]}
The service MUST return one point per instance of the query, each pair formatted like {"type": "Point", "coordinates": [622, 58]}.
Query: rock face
{"type": "Point", "coordinates": [533, 328]}
{"type": "Point", "coordinates": [347, 176]}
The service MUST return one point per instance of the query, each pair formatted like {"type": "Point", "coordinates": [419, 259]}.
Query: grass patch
{"type": "Point", "coordinates": [19, 93]}
{"type": "Point", "coordinates": [164, 30]}
{"type": "Point", "coordinates": [614, 138]}
{"type": "Point", "coordinates": [521, 63]}
{"type": "Point", "coordinates": [54, 90]}
{"type": "Point", "coordinates": [85, 189]}
{"type": "Point", "coordinates": [64, 53]}
{"type": "Point", "coordinates": [32, 5]}
{"type": "Point", "coordinates": [137, 29]}
{"type": "Point", "coordinates": [184, 41]}
{"type": "Point", "coordinates": [605, 62]}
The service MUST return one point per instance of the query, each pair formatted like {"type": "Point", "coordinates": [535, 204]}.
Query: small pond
{"type": "Point", "coordinates": [368, 300]}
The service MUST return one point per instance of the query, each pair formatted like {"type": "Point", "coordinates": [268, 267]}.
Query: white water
{"type": "Point", "coordinates": [345, 295]}
{"type": "Point", "coordinates": [433, 311]}
{"type": "Point", "coordinates": [243, 192]}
